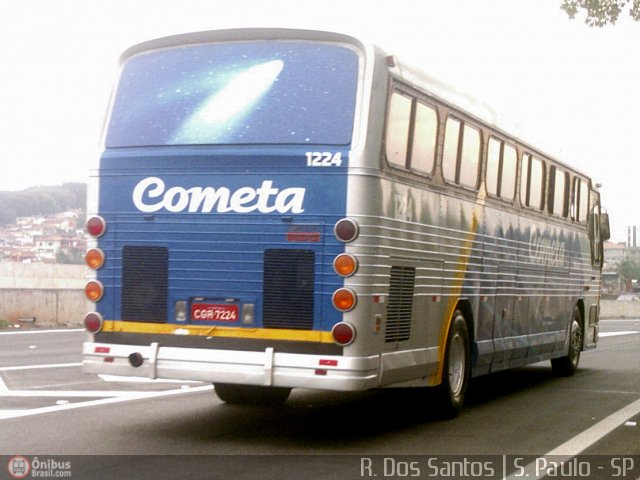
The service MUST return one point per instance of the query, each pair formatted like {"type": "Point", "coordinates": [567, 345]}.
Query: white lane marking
{"type": "Point", "coordinates": [123, 395]}
{"type": "Point", "coordinates": [6, 414]}
{"type": "Point", "coordinates": [579, 443]}
{"type": "Point", "coordinates": [615, 334]}
{"type": "Point", "coordinates": [77, 393]}
{"type": "Point", "coordinates": [35, 367]}
{"type": "Point", "coordinates": [3, 413]}
{"type": "Point", "coordinates": [591, 435]}
{"type": "Point", "coordinates": [31, 332]}
{"type": "Point", "coordinates": [124, 379]}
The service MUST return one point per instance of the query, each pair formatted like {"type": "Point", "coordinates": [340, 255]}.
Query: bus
{"type": "Point", "coordinates": [280, 208]}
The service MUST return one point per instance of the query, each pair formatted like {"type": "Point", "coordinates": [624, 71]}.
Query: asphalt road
{"type": "Point", "coordinates": [50, 410]}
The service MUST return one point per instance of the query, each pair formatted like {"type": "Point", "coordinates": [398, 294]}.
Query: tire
{"type": "Point", "coordinates": [251, 394]}
{"type": "Point", "coordinates": [456, 368]}
{"type": "Point", "coordinates": [567, 365]}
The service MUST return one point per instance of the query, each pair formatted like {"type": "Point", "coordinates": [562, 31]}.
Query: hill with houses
{"type": "Point", "coordinates": [43, 224]}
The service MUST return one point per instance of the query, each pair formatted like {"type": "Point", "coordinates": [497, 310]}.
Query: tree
{"type": "Point", "coordinates": [601, 12]}
{"type": "Point", "coordinates": [628, 270]}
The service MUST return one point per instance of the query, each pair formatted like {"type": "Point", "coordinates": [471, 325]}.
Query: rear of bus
{"type": "Point", "coordinates": [219, 224]}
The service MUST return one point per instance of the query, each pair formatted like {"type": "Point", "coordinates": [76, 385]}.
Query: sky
{"type": "Point", "coordinates": [569, 89]}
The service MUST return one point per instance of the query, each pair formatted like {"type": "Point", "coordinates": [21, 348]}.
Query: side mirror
{"type": "Point", "coordinates": [605, 230]}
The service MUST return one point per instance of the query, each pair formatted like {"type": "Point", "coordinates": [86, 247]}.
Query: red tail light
{"type": "Point", "coordinates": [96, 226]}
{"type": "Point", "coordinates": [343, 333]}
{"type": "Point", "coordinates": [93, 322]}
{"type": "Point", "coordinates": [346, 230]}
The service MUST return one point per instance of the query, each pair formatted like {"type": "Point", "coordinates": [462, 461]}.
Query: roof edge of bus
{"type": "Point", "coordinates": [239, 34]}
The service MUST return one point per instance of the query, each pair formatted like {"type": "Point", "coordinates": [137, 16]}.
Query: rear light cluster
{"type": "Point", "coordinates": [346, 265]}
{"type": "Point", "coordinates": [344, 299]}
{"type": "Point", "coordinates": [94, 258]}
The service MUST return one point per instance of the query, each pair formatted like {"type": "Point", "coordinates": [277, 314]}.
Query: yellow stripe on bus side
{"type": "Point", "coordinates": [461, 272]}
{"type": "Point", "coordinates": [218, 331]}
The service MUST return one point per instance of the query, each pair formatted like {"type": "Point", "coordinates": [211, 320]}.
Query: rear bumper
{"type": "Point", "coordinates": [268, 367]}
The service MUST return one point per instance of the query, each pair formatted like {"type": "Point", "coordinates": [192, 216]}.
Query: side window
{"type": "Point", "coordinates": [573, 208]}
{"type": "Point", "coordinates": [509, 172]}
{"type": "Point", "coordinates": [494, 155]}
{"type": "Point", "coordinates": [397, 140]}
{"type": "Point", "coordinates": [450, 152]}
{"type": "Point", "coordinates": [532, 182]}
{"type": "Point", "coordinates": [584, 202]}
{"type": "Point", "coordinates": [423, 151]}
{"type": "Point", "coordinates": [501, 169]}
{"type": "Point", "coordinates": [470, 157]}
{"type": "Point", "coordinates": [558, 192]}
{"type": "Point", "coordinates": [594, 230]}
{"type": "Point", "coordinates": [595, 227]}
{"type": "Point", "coordinates": [579, 200]}
{"type": "Point", "coordinates": [412, 127]}
{"type": "Point", "coordinates": [461, 155]}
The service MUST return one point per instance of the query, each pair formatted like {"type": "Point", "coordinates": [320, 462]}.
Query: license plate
{"type": "Point", "coordinates": [212, 312]}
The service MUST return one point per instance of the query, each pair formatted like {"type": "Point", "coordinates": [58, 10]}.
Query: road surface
{"type": "Point", "coordinates": [50, 410]}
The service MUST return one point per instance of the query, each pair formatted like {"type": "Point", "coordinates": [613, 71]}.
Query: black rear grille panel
{"type": "Point", "coordinates": [400, 305]}
{"type": "Point", "coordinates": [288, 289]}
{"type": "Point", "coordinates": [145, 272]}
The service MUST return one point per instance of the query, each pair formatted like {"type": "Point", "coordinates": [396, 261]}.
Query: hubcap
{"type": "Point", "coordinates": [576, 340]}
{"type": "Point", "coordinates": [456, 364]}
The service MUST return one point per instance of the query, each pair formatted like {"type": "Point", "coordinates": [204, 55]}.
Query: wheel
{"type": "Point", "coordinates": [251, 394]}
{"type": "Point", "coordinates": [567, 365]}
{"type": "Point", "coordinates": [456, 368]}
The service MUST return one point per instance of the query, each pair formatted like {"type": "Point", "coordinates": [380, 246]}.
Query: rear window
{"type": "Point", "coordinates": [236, 93]}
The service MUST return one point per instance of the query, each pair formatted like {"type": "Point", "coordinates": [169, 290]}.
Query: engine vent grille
{"type": "Point", "coordinates": [288, 289]}
{"type": "Point", "coordinates": [400, 306]}
{"type": "Point", "coordinates": [145, 272]}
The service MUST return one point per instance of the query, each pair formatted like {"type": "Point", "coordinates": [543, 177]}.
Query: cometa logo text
{"type": "Point", "coordinates": [151, 195]}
